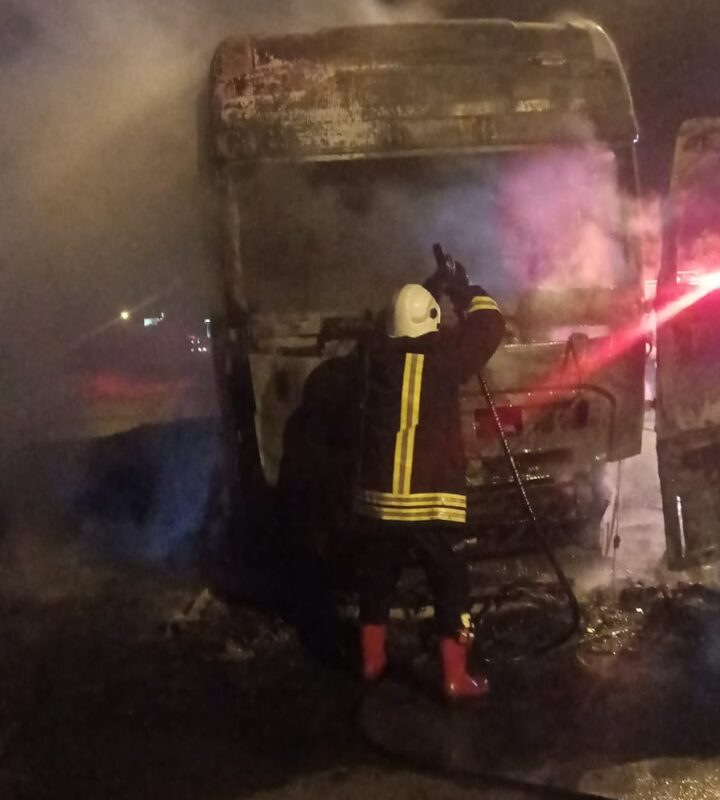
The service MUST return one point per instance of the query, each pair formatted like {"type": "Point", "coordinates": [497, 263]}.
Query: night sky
{"type": "Point", "coordinates": [103, 206]}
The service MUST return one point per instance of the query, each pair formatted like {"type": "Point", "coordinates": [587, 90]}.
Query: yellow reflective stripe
{"type": "Point", "coordinates": [430, 514]}
{"type": "Point", "coordinates": [416, 389]}
{"type": "Point", "coordinates": [409, 417]}
{"type": "Point", "coordinates": [411, 500]}
{"type": "Point", "coordinates": [400, 436]}
{"type": "Point", "coordinates": [405, 391]}
{"type": "Point", "coordinates": [483, 303]}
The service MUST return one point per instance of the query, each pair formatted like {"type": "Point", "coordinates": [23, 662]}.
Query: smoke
{"type": "Point", "coordinates": [105, 206]}
{"type": "Point", "coordinates": [103, 202]}
{"type": "Point", "coordinates": [545, 219]}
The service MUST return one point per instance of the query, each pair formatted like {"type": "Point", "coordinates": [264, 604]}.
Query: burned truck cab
{"type": "Point", "coordinates": [341, 157]}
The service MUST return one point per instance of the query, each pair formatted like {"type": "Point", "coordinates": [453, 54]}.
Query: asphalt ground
{"type": "Point", "coordinates": [134, 681]}
{"type": "Point", "coordinates": [119, 683]}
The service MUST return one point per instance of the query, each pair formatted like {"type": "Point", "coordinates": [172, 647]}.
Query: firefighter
{"type": "Point", "coordinates": [410, 492]}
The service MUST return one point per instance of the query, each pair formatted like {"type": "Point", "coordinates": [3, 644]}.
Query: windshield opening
{"type": "Point", "coordinates": [342, 236]}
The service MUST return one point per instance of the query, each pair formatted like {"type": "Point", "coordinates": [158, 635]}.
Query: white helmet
{"type": "Point", "coordinates": [413, 312]}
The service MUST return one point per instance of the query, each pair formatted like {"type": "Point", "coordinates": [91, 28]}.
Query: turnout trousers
{"type": "Point", "coordinates": [386, 547]}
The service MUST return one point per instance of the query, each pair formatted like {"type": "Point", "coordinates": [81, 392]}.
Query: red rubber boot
{"type": "Point", "coordinates": [457, 684]}
{"type": "Point", "coordinates": [372, 645]}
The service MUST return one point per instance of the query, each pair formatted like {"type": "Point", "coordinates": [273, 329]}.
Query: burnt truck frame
{"type": "Point", "coordinates": [365, 102]}
{"type": "Point", "coordinates": [688, 373]}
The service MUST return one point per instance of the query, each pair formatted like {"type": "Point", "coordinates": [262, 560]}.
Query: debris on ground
{"type": "Point", "coordinates": [102, 695]}
{"type": "Point", "coordinates": [236, 633]}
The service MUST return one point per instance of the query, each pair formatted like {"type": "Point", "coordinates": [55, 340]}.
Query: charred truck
{"type": "Point", "coordinates": [341, 157]}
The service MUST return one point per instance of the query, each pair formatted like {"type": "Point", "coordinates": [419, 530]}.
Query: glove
{"type": "Point", "coordinates": [449, 277]}
{"type": "Point", "coordinates": [436, 283]}
{"type": "Point", "coordinates": [458, 287]}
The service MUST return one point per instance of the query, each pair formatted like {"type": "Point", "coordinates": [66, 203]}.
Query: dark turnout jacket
{"type": "Point", "coordinates": [412, 466]}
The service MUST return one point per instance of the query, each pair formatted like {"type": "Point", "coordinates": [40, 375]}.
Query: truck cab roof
{"type": "Point", "coordinates": [415, 89]}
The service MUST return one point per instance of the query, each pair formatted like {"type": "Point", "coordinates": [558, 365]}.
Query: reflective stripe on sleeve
{"type": "Point", "coordinates": [483, 303]}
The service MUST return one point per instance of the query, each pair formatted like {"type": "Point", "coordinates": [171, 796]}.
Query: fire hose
{"type": "Point", "coordinates": [446, 264]}
{"type": "Point", "coordinates": [539, 535]}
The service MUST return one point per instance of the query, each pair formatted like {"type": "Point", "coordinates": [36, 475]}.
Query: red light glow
{"type": "Point", "coordinates": [608, 349]}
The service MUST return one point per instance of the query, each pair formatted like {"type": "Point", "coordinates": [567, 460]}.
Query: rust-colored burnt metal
{"type": "Point", "coordinates": [403, 89]}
